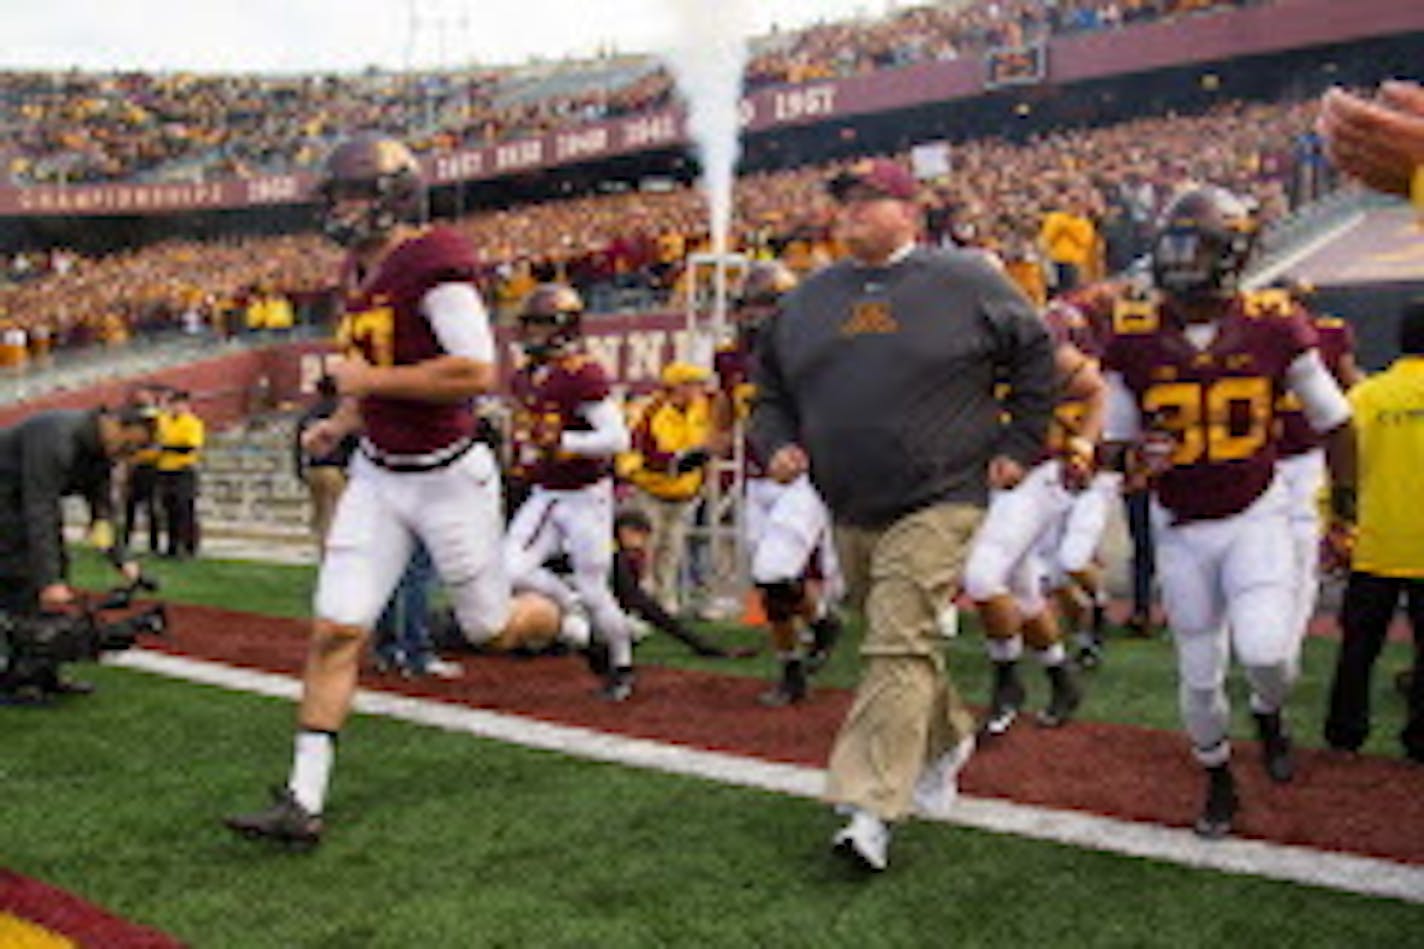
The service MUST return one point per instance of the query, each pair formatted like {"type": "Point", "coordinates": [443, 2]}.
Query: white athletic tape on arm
{"type": "Point", "coordinates": [458, 318]}
{"type": "Point", "coordinates": [1326, 407]}
{"type": "Point", "coordinates": [609, 435]}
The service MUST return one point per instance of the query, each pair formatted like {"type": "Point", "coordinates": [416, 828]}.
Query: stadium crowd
{"type": "Point", "coordinates": [628, 248]}
{"type": "Point", "coordinates": [75, 127]}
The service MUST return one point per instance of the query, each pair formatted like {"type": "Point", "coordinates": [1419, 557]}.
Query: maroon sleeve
{"type": "Point", "coordinates": [441, 255]}
{"type": "Point", "coordinates": [588, 383]}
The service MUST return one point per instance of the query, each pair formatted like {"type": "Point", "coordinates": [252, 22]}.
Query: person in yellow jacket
{"type": "Point", "coordinates": [1387, 559]}
{"type": "Point", "coordinates": [1070, 239]}
{"type": "Point", "coordinates": [180, 443]}
{"type": "Point", "coordinates": [667, 465]}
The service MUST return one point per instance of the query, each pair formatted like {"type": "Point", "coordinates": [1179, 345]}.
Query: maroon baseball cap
{"type": "Point", "coordinates": [881, 175]}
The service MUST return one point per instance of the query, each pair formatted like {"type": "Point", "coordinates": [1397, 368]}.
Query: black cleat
{"type": "Point", "coordinates": [284, 821]}
{"type": "Point", "coordinates": [1275, 747]}
{"type": "Point", "coordinates": [619, 686]}
{"type": "Point", "coordinates": [1007, 699]}
{"type": "Point", "coordinates": [600, 663]}
{"type": "Point", "coordinates": [1219, 811]}
{"type": "Point", "coordinates": [825, 633]}
{"type": "Point", "coordinates": [1090, 652]}
{"type": "Point", "coordinates": [1065, 697]}
{"type": "Point", "coordinates": [790, 690]}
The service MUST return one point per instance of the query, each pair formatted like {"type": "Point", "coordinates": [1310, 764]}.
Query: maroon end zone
{"type": "Point", "coordinates": [66, 915]}
{"type": "Point", "coordinates": [1359, 804]}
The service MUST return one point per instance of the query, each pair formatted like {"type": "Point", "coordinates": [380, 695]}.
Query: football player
{"type": "Point", "coordinates": [566, 430]}
{"type": "Point", "coordinates": [1005, 575]}
{"type": "Point", "coordinates": [787, 526]}
{"type": "Point", "coordinates": [1193, 378]}
{"type": "Point", "coordinates": [1302, 455]}
{"type": "Point", "coordinates": [1070, 548]}
{"type": "Point", "coordinates": [418, 348]}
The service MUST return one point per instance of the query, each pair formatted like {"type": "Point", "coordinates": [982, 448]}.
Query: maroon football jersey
{"type": "Point", "coordinates": [733, 365]}
{"type": "Point", "coordinates": [1337, 340]}
{"type": "Point", "coordinates": [1217, 404]}
{"type": "Point", "coordinates": [547, 399]}
{"type": "Point", "coordinates": [384, 324]}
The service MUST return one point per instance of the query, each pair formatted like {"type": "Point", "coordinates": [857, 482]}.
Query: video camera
{"type": "Point", "coordinates": [48, 639]}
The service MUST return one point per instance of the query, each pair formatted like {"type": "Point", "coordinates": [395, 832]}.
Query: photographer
{"type": "Point", "coordinates": [43, 459]}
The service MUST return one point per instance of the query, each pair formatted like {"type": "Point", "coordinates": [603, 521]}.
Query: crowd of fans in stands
{"type": "Point", "coordinates": [75, 127]}
{"type": "Point", "coordinates": [628, 249]}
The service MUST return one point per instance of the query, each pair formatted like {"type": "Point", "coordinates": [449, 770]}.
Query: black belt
{"type": "Point", "coordinates": [431, 461]}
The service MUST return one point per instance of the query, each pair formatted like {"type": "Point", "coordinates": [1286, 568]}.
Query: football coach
{"type": "Point", "coordinates": [878, 377]}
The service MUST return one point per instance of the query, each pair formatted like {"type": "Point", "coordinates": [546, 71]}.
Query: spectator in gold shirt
{"type": "Point", "coordinates": [1387, 560]}
{"type": "Point", "coordinates": [180, 443]}
{"type": "Point", "coordinates": [667, 466]}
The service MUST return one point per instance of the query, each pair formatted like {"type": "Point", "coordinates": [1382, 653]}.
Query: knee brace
{"type": "Point", "coordinates": [782, 600]}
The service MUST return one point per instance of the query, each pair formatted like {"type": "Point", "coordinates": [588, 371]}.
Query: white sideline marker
{"type": "Point", "coordinates": [1355, 874]}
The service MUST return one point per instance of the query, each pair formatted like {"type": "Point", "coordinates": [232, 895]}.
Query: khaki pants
{"type": "Point", "coordinates": [671, 521]}
{"type": "Point", "coordinates": [326, 483]}
{"type": "Point", "coordinates": [906, 711]}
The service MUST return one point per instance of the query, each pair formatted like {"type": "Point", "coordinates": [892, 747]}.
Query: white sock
{"type": "Point", "coordinates": [1004, 650]}
{"type": "Point", "coordinates": [1052, 656]}
{"type": "Point", "coordinates": [312, 757]}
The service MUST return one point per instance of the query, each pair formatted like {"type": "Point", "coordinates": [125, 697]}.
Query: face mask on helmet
{"type": "Point", "coordinates": [550, 322]}
{"type": "Point", "coordinates": [1202, 251]}
{"type": "Point", "coordinates": [371, 186]}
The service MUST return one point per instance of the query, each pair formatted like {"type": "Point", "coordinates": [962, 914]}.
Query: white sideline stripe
{"type": "Point", "coordinates": [1284, 265]}
{"type": "Point", "coordinates": [1336, 871]}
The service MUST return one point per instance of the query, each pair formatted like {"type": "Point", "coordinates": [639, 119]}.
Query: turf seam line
{"type": "Point", "coordinates": [1337, 871]}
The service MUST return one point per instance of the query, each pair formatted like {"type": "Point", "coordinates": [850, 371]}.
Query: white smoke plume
{"type": "Point", "coordinates": [707, 55]}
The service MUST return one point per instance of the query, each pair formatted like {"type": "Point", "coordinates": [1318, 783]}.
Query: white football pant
{"type": "Point", "coordinates": [455, 511]}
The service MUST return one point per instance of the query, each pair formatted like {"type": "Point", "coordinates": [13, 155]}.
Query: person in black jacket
{"type": "Point", "coordinates": [43, 459]}
{"type": "Point", "coordinates": [633, 531]}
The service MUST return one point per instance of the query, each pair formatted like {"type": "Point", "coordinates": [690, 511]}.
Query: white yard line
{"type": "Point", "coordinates": [1336, 871]}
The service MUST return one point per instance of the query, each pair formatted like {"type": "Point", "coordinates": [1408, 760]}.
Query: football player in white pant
{"type": "Point", "coordinates": [567, 429]}
{"type": "Point", "coordinates": [1006, 574]}
{"type": "Point", "coordinates": [419, 348]}
{"type": "Point", "coordinates": [1302, 457]}
{"type": "Point", "coordinates": [788, 531]}
{"type": "Point", "coordinates": [1074, 574]}
{"type": "Point", "coordinates": [1193, 381]}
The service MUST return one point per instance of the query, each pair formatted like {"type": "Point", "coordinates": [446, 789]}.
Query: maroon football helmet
{"type": "Point", "coordinates": [550, 321]}
{"type": "Point", "coordinates": [371, 184]}
{"type": "Point", "coordinates": [1202, 245]}
{"type": "Point", "coordinates": [759, 296]}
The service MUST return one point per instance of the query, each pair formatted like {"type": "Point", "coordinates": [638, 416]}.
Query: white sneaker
{"type": "Point", "coordinates": [865, 840]}
{"type": "Point", "coordinates": [938, 786]}
{"type": "Point", "coordinates": [444, 669]}
{"type": "Point", "coordinates": [575, 631]}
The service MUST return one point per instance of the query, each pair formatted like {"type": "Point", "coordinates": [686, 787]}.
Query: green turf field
{"type": "Point", "coordinates": [1137, 685]}
{"type": "Point", "coordinates": [444, 840]}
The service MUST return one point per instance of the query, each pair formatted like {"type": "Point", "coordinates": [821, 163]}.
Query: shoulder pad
{"type": "Point", "coordinates": [1270, 302]}
{"type": "Point", "coordinates": [1135, 316]}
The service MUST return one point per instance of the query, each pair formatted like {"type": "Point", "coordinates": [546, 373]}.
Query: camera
{"type": "Point", "coordinates": [32, 647]}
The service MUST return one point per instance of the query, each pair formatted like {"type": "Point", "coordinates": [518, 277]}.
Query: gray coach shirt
{"type": "Point", "coordinates": [886, 376]}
